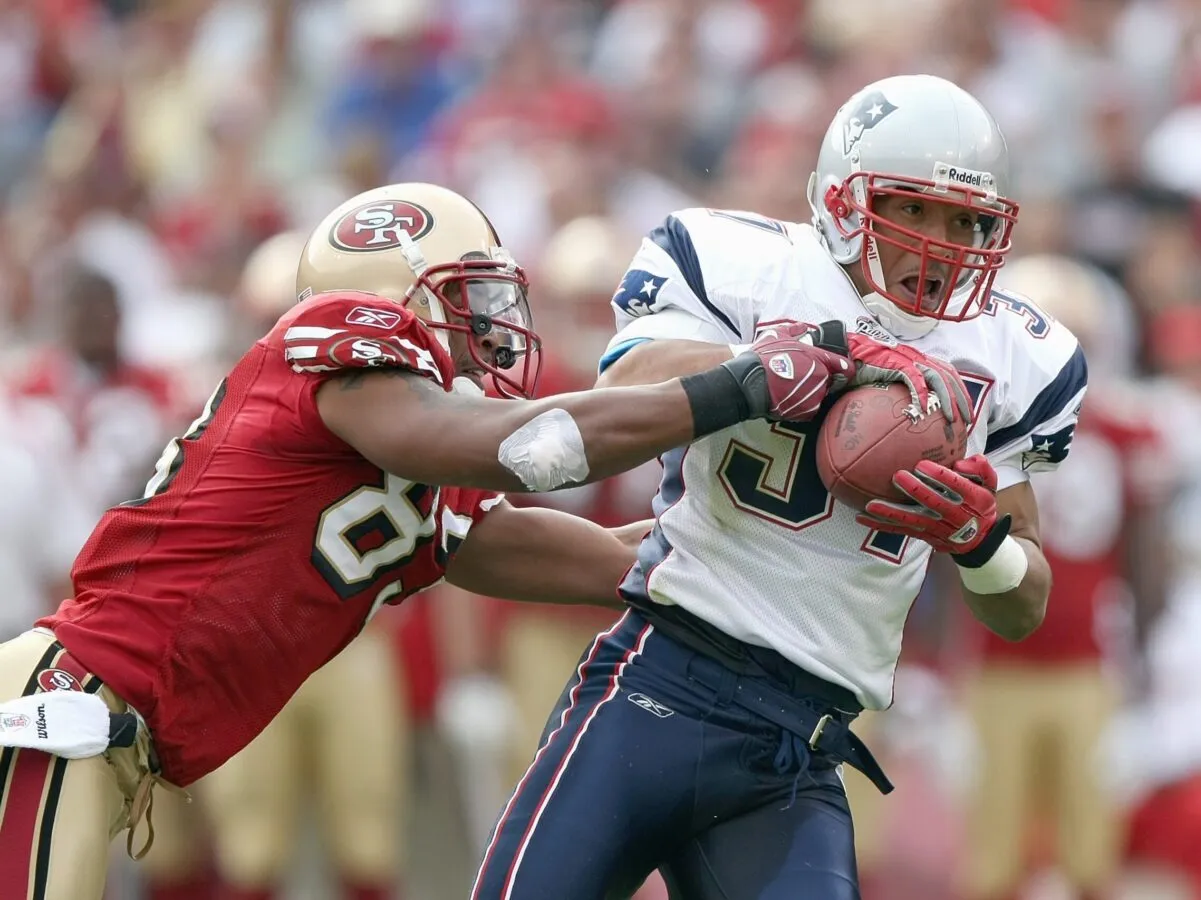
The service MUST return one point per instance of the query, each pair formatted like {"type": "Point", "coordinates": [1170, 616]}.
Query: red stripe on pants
{"type": "Point", "coordinates": [19, 828]}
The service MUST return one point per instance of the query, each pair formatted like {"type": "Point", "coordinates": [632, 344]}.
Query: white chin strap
{"type": "Point", "coordinates": [904, 325]}
{"type": "Point", "coordinates": [417, 262]}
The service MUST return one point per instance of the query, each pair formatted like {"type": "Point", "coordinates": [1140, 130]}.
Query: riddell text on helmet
{"type": "Point", "coordinates": [944, 174]}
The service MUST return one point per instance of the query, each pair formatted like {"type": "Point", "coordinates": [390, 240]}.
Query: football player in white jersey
{"type": "Point", "coordinates": [702, 732]}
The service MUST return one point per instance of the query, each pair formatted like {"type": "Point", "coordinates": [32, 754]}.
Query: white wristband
{"type": "Point", "coordinates": [1002, 573]}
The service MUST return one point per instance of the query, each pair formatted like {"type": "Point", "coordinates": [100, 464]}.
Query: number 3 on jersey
{"type": "Point", "coordinates": [779, 482]}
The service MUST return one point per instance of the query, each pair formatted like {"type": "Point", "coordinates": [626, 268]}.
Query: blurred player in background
{"type": "Point", "coordinates": [1041, 706]}
{"type": "Point", "coordinates": [43, 522]}
{"type": "Point", "coordinates": [117, 413]}
{"type": "Point", "coordinates": [1162, 793]}
{"type": "Point", "coordinates": [347, 461]}
{"type": "Point", "coordinates": [702, 732]}
{"type": "Point", "coordinates": [120, 412]}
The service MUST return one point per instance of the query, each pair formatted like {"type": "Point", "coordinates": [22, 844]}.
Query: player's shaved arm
{"type": "Point", "coordinates": [1017, 613]}
{"type": "Point", "coordinates": [408, 425]}
{"type": "Point", "coordinates": [541, 555]}
{"type": "Point", "coordinates": [654, 361]}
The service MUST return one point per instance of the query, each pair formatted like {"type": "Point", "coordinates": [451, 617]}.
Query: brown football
{"type": "Point", "coordinates": [868, 435]}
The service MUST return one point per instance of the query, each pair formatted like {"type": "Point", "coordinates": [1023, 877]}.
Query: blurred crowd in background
{"type": "Point", "coordinates": [161, 162]}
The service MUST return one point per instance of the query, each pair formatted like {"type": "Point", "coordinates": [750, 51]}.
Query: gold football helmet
{"type": "Point", "coordinates": [267, 287]}
{"type": "Point", "coordinates": [1064, 287]}
{"type": "Point", "coordinates": [434, 252]}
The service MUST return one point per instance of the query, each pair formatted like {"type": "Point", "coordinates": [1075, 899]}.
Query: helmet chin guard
{"type": "Point", "coordinates": [895, 321]}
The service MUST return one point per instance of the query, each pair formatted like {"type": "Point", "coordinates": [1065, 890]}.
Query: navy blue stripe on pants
{"type": "Point", "coordinates": [598, 679]}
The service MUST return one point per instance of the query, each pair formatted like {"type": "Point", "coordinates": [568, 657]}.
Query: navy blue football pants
{"type": "Point", "coordinates": [650, 762]}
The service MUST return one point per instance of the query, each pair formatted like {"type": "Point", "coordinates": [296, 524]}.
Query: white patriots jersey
{"type": "Point", "coordinates": [747, 537]}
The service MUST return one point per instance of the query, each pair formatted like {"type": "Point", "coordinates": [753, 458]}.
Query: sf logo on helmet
{"type": "Point", "coordinates": [378, 226]}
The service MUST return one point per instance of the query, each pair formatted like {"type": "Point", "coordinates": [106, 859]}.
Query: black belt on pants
{"type": "Point", "coordinates": [825, 730]}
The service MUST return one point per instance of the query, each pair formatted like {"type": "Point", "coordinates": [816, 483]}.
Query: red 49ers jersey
{"type": "Point", "coordinates": [263, 542]}
{"type": "Point", "coordinates": [1117, 467]}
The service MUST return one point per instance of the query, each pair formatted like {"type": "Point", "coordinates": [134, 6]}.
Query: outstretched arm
{"type": "Point", "coordinates": [543, 556]}
{"type": "Point", "coordinates": [410, 426]}
{"type": "Point", "coordinates": [648, 361]}
{"type": "Point", "coordinates": [653, 361]}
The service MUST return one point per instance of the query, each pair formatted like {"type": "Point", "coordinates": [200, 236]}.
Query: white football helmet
{"type": "Point", "coordinates": [925, 134]}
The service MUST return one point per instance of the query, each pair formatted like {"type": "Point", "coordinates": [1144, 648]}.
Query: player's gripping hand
{"type": "Point", "coordinates": [954, 510]}
{"type": "Point", "coordinates": [933, 384]}
{"type": "Point", "coordinates": [785, 375]}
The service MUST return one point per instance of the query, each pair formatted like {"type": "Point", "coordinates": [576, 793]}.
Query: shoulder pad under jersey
{"type": "Point", "coordinates": [350, 330]}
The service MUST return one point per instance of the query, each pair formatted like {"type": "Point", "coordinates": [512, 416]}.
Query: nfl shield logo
{"type": "Point", "coordinates": [781, 364]}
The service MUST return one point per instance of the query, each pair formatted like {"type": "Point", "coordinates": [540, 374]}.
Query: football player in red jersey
{"type": "Point", "coordinates": [345, 462]}
{"type": "Point", "coordinates": [1041, 705]}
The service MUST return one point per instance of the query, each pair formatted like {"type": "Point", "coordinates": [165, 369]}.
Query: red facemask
{"type": "Point", "coordinates": [490, 302]}
{"type": "Point", "coordinates": [969, 270]}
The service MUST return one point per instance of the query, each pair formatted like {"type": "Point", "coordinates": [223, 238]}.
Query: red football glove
{"type": "Point", "coordinates": [784, 376]}
{"type": "Point", "coordinates": [877, 362]}
{"type": "Point", "coordinates": [953, 510]}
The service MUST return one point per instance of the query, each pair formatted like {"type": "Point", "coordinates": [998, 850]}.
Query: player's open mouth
{"type": "Point", "coordinates": [931, 291]}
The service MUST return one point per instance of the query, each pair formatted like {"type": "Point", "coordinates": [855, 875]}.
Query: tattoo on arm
{"type": "Point", "coordinates": [352, 379]}
{"type": "Point", "coordinates": [427, 390]}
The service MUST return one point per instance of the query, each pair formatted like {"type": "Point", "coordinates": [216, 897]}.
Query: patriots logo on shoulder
{"type": "Point", "coordinates": [638, 292]}
{"type": "Point", "coordinates": [373, 318]}
{"type": "Point", "coordinates": [870, 111]}
{"type": "Point", "coordinates": [1049, 449]}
